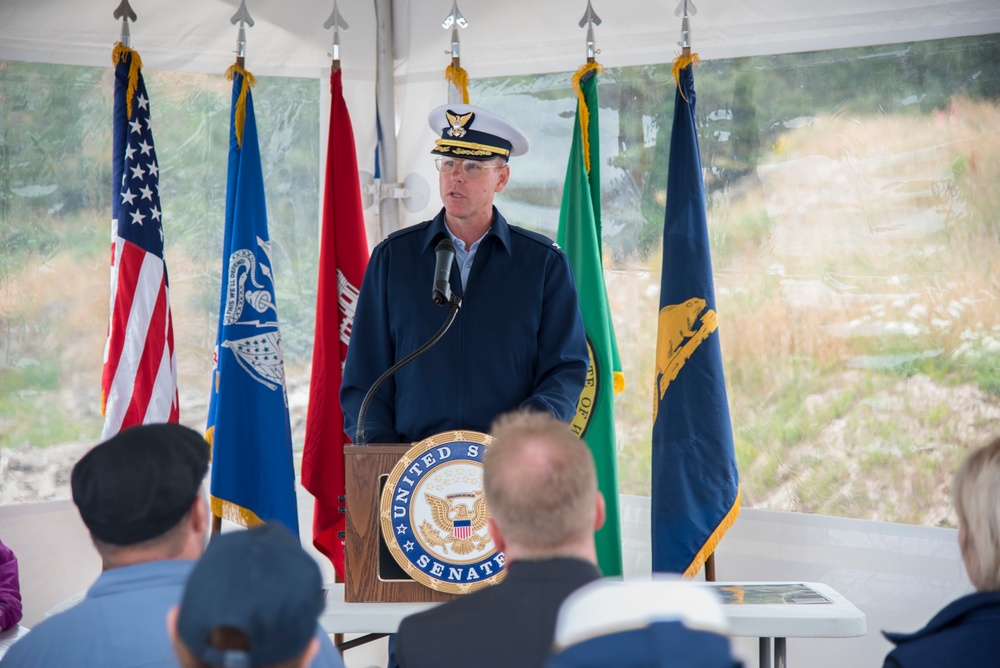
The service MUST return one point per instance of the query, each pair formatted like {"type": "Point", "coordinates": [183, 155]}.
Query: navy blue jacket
{"type": "Point", "coordinates": [518, 340]}
{"type": "Point", "coordinates": [507, 625]}
{"type": "Point", "coordinates": [965, 633]}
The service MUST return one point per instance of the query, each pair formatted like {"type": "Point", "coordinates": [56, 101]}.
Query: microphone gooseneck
{"type": "Point", "coordinates": [442, 294]}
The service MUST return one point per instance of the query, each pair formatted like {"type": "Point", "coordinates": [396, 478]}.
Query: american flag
{"type": "Point", "coordinates": [139, 383]}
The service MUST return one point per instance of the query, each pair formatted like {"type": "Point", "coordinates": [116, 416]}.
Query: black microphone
{"type": "Point", "coordinates": [445, 252]}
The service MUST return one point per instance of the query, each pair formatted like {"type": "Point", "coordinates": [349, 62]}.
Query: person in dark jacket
{"type": "Point", "coordinates": [517, 341]}
{"type": "Point", "coordinates": [541, 488]}
{"type": "Point", "coordinates": [967, 631]}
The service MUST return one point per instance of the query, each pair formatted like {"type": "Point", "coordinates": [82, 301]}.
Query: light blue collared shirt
{"type": "Point", "coordinates": [121, 623]}
{"type": "Point", "coordinates": [465, 257]}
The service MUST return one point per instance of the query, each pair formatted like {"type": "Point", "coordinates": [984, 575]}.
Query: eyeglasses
{"type": "Point", "coordinates": [471, 168]}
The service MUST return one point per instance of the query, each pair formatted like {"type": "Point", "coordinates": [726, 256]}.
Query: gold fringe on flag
{"type": "Point", "coordinates": [460, 79]}
{"type": "Point", "coordinates": [117, 56]}
{"type": "Point", "coordinates": [233, 513]}
{"type": "Point", "coordinates": [713, 541]}
{"type": "Point", "coordinates": [585, 115]}
{"type": "Point", "coordinates": [241, 102]}
{"type": "Point", "coordinates": [679, 64]}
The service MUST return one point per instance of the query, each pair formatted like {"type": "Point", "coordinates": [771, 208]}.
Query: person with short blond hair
{"type": "Point", "coordinates": [541, 491]}
{"type": "Point", "coordinates": [537, 463]}
{"type": "Point", "coordinates": [965, 632]}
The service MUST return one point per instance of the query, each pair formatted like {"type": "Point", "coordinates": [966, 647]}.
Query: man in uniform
{"type": "Point", "coordinates": [518, 339]}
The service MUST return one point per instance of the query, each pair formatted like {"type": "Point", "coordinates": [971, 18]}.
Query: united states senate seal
{"type": "Point", "coordinates": [433, 514]}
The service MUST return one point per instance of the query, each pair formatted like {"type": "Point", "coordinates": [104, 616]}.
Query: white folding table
{"type": "Point", "coordinates": [769, 621]}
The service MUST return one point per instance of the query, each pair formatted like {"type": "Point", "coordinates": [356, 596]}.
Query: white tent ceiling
{"type": "Point", "coordinates": [511, 37]}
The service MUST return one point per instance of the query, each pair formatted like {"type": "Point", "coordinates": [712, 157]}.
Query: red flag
{"type": "Point", "coordinates": [343, 256]}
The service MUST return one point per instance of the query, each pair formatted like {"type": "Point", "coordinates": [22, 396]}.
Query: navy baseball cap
{"type": "Point", "coordinates": [260, 582]}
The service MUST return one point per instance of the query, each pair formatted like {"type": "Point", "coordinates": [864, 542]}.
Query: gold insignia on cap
{"type": "Point", "coordinates": [458, 123]}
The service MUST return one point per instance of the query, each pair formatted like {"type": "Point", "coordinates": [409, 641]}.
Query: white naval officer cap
{"type": "Point", "coordinates": [469, 132]}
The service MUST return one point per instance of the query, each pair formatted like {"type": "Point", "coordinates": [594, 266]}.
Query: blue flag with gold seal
{"type": "Point", "coordinates": [253, 477]}
{"type": "Point", "coordinates": [695, 484]}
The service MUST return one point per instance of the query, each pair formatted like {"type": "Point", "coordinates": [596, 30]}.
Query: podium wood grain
{"type": "Point", "coordinates": [364, 465]}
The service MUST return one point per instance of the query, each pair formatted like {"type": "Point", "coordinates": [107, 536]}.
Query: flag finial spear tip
{"type": "Point", "coordinates": [685, 10]}
{"type": "Point", "coordinates": [242, 16]}
{"type": "Point", "coordinates": [125, 12]}
{"type": "Point", "coordinates": [455, 20]}
{"type": "Point", "coordinates": [589, 20]}
{"type": "Point", "coordinates": [337, 23]}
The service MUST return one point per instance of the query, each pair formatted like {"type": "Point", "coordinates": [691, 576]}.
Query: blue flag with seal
{"type": "Point", "coordinates": [253, 477]}
{"type": "Point", "coordinates": [695, 484]}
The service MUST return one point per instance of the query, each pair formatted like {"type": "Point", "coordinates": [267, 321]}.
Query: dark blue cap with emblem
{"type": "Point", "coordinates": [468, 132]}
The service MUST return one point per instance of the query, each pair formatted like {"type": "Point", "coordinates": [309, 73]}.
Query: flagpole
{"type": "Point", "coordinates": [685, 10]}
{"type": "Point", "coordinates": [242, 16]}
{"type": "Point", "coordinates": [686, 53]}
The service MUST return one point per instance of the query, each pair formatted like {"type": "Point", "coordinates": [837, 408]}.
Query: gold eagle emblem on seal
{"type": "Point", "coordinates": [459, 524]}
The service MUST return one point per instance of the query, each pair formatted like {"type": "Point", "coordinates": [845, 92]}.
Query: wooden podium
{"type": "Point", "coordinates": [365, 469]}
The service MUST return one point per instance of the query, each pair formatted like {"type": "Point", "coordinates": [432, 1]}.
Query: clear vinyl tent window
{"type": "Point", "coordinates": [55, 211]}
{"type": "Point", "coordinates": [854, 215]}
{"type": "Point", "coordinates": [853, 209]}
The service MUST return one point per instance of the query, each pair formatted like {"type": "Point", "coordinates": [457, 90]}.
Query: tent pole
{"type": "Point", "coordinates": [386, 104]}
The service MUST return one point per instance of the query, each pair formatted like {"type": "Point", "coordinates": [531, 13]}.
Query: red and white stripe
{"type": "Point", "coordinates": [139, 383]}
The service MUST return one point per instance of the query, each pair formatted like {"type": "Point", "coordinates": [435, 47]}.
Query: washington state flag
{"type": "Point", "coordinates": [580, 237]}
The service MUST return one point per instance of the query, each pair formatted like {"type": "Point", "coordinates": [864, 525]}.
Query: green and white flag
{"type": "Point", "coordinates": [580, 237]}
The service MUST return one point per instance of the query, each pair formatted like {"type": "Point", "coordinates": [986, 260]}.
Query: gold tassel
{"type": "Point", "coordinates": [118, 56]}
{"type": "Point", "coordinates": [241, 102]}
{"type": "Point", "coordinates": [619, 382]}
{"type": "Point", "coordinates": [460, 79]}
{"type": "Point", "coordinates": [584, 111]}
{"type": "Point", "coordinates": [679, 64]}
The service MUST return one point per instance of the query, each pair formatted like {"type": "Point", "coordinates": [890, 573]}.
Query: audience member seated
{"type": "Point", "coordinates": [10, 591]}
{"type": "Point", "coordinates": [253, 599]}
{"type": "Point", "coordinates": [541, 490]}
{"type": "Point", "coordinates": [139, 494]}
{"type": "Point", "coordinates": [967, 631]}
{"type": "Point", "coordinates": [656, 624]}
